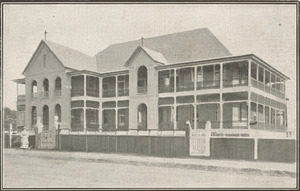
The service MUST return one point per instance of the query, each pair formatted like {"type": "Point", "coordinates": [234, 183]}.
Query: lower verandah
{"type": "Point", "coordinates": [227, 112]}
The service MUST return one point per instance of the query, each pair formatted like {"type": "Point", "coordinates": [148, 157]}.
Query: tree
{"type": "Point", "coordinates": [10, 117]}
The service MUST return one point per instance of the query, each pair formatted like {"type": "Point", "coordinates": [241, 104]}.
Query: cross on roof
{"type": "Point", "coordinates": [142, 40]}
{"type": "Point", "coordinates": [45, 33]}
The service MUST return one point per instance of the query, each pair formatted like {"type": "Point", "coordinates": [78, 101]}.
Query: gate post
{"type": "Point", "coordinates": [255, 148]}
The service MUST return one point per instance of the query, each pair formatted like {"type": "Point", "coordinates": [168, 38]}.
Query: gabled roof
{"type": "Point", "coordinates": [155, 56]}
{"type": "Point", "coordinates": [72, 58]}
{"type": "Point", "coordinates": [185, 46]}
{"type": "Point", "coordinates": [68, 57]}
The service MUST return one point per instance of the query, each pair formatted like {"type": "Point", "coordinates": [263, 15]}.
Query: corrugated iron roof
{"type": "Point", "coordinates": [72, 58]}
{"type": "Point", "coordinates": [184, 46]}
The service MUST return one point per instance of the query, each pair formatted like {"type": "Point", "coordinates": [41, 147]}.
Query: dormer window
{"type": "Point", "coordinates": [44, 60]}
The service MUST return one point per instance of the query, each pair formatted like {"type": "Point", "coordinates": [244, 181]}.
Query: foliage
{"type": "Point", "coordinates": [10, 116]}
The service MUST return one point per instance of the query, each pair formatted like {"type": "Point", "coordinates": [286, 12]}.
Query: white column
{"type": "Point", "coordinates": [175, 113]}
{"type": "Point", "coordinates": [116, 115]}
{"type": "Point", "coordinates": [249, 73]}
{"type": "Point", "coordinates": [221, 94]}
{"type": "Point", "coordinates": [84, 106]}
{"type": "Point", "coordinates": [100, 103]}
{"type": "Point", "coordinates": [116, 86]}
{"type": "Point", "coordinates": [195, 78]}
{"type": "Point", "coordinates": [221, 76]}
{"type": "Point", "coordinates": [175, 79]}
{"type": "Point", "coordinates": [249, 94]}
{"type": "Point", "coordinates": [195, 112]}
{"type": "Point", "coordinates": [84, 85]}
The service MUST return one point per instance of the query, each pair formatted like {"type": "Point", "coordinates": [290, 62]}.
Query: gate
{"type": "Point", "coordinates": [200, 141]}
{"type": "Point", "coordinates": [48, 140]}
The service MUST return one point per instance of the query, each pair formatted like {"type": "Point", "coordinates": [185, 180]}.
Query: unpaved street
{"type": "Point", "coordinates": [28, 171]}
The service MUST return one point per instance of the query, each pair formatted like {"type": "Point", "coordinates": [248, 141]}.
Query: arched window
{"type": "Point", "coordinates": [46, 117]}
{"type": "Point", "coordinates": [44, 60]}
{"type": "Point", "coordinates": [34, 88]}
{"type": "Point", "coordinates": [58, 112]}
{"type": "Point", "coordinates": [33, 115]}
{"type": "Point", "coordinates": [142, 80]}
{"type": "Point", "coordinates": [46, 88]}
{"type": "Point", "coordinates": [142, 117]}
{"type": "Point", "coordinates": [57, 91]}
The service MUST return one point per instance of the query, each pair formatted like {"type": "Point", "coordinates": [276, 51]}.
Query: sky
{"type": "Point", "coordinates": [266, 30]}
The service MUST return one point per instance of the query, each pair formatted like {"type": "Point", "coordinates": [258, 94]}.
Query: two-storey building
{"type": "Point", "coordinates": [153, 83]}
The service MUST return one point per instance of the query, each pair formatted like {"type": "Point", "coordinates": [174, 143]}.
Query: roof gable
{"type": "Point", "coordinates": [154, 56]}
{"type": "Point", "coordinates": [185, 46]}
{"type": "Point", "coordinates": [36, 53]}
{"type": "Point", "coordinates": [68, 57]}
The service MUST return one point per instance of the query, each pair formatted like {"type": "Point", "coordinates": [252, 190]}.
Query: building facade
{"type": "Point", "coordinates": [157, 83]}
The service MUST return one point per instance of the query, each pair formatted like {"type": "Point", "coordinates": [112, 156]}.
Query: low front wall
{"type": "Point", "coordinates": [232, 148]}
{"type": "Point", "coordinates": [146, 145]}
{"type": "Point", "coordinates": [276, 150]}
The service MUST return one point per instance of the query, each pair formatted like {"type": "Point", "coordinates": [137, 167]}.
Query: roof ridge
{"type": "Point", "coordinates": [164, 35]}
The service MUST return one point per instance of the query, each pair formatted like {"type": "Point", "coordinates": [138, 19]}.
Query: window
{"type": "Point", "coordinates": [261, 74]}
{"type": "Point", "coordinates": [273, 80]}
{"type": "Point", "coordinates": [109, 120]}
{"type": "Point", "coordinates": [109, 86]}
{"type": "Point", "coordinates": [77, 83]}
{"type": "Point", "coordinates": [199, 77]}
{"type": "Point", "coordinates": [278, 117]}
{"type": "Point", "coordinates": [142, 79]}
{"type": "Point", "coordinates": [253, 71]}
{"type": "Point", "coordinates": [33, 115]}
{"type": "Point", "coordinates": [105, 87]}
{"type": "Point", "coordinates": [260, 113]}
{"type": "Point", "coordinates": [165, 115]}
{"type": "Point", "coordinates": [281, 85]}
{"type": "Point", "coordinates": [253, 112]}
{"type": "Point", "coordinates": [277, 83]}
{"type": "Point", "coordinates": [267, 114]}
{"type": "Point", "coordinates": [272, 116]}
{"type": "Point", "coordinates": [58, 112]}
{"type": "Point", "coordinates": [34, 88]}
{"type": "Point", "coordinates": [77, 119]}
{"type": "Point", "coordinates": [44, 60]}
{"type": "Point", "coordinates": [184, 113]}
{"type": "Point", "coordinates": [267, 77]}
{"type": "Point", "coordinates": [92, 116]}
{"type": "Point", "coordinates": [21, 108]}
{"type": "Point", "coordinates": [122, 116]}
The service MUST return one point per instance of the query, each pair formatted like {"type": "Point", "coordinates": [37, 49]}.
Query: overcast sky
{"type": "Point", "coordinates": [268, 31]}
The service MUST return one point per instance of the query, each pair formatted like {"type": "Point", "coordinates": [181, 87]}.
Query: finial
{"type": "Point", "coordinates": [142, 41]}
{"type": "Point", "coordinates": [45, 34]}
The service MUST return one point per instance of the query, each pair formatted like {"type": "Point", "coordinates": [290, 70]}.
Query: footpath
{"type": "Point", "coordinates": [193, 163]}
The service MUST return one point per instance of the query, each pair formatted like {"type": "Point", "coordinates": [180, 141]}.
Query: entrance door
{"type": "Point", "coordinates": [142, 117]}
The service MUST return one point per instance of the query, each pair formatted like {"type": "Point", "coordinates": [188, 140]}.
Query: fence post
{"type": "Point", "coordinates": [116, 141]}
{"type": "Point", "coordinates": [149, 142]}
{"type": "Point", "coordinates": [10, 134]}
{"type": "Point", "coordinates": [86, 141]}
{"type": "Point", "coordinates": [255, 148]}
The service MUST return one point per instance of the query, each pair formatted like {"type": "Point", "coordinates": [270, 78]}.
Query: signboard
{"type": "Point", "coordinates": [199, 142]}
